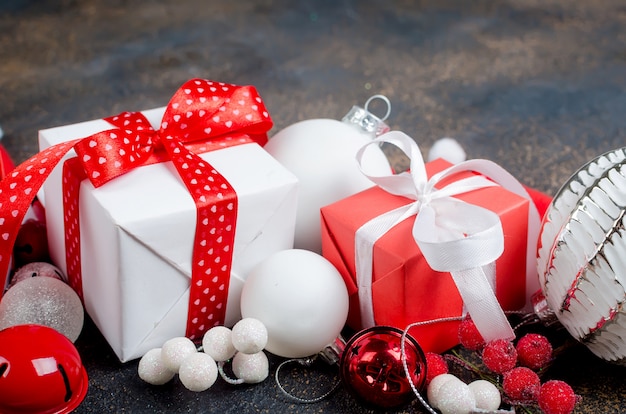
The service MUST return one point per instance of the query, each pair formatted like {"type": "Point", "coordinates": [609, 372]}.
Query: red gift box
{"type": "Point", "coordinates": [404, 288]}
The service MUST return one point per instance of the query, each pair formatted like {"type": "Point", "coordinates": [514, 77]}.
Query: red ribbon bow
{"type": "Point", "coordinates": [199, 115]}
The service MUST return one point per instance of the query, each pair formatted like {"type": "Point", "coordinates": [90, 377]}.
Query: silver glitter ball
{"type": "Point", "coordinates": [43, 301]}
{"type": "Point", "coordinates": [582, 256]}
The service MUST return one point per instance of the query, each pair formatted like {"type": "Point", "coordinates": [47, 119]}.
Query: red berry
{"type": "Point", "coordinates": [500, 356]}
{"type": "Point", "coordinates": [556, 397]}
{"type": "Point", "coordinates": [469, 336]}
{"type": "Point", "coordinates": [521, 384]}
{"type": "Point", "coordinates": [534, 351]}
{"type": "Point", "coordinates": [435, 365]}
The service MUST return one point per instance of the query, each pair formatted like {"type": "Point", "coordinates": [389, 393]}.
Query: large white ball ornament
{"type": "Point", "coordinates": [321, 154]}
{"type": "Point", "coordinates": [43, 301]}
{"type": "Point", "coordinates": [301, 299]}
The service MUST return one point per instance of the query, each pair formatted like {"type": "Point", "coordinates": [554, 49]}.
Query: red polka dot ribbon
{"type": "Point", "coordinates": [201, 116]}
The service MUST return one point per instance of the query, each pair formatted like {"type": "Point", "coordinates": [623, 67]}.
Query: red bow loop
{"type": "Point", "coordinates": [109, 154]}
{"type": "Point", "coordinates": [200, 110]}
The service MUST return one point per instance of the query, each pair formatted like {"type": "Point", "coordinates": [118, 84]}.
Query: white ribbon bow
{"type": "Point", "coordinates": [453, 236]}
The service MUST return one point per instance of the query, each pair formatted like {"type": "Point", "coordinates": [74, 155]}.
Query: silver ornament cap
{"type": "Point", "coordinates": [366, 121]}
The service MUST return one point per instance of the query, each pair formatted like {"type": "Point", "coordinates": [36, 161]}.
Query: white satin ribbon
{"type": "Point", "coordinates": [454, 236]}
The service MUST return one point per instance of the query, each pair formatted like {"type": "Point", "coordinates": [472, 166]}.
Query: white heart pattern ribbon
{"type": "Point", "coordinates": [453, 236]}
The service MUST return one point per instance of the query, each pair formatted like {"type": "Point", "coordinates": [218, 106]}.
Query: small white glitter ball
{"type": "Point", "coordinates": [217, 342]}
{"type": "Point", "coordinates": [175, 350]}
{"type": "Point", "coordinates": [435, 385]}
{"type": "Point", "coordinates": [252, 368]}
{"type": "Point", "coordinates": [454, 397]}
{"type": "Point", "coordinates": [198, 372]}
{"type": "Point", "coordinates": [152, 370]}
{"type": "Point", "coordinates": [448, 149]}
{"type": "Point", "coordinates": [486, 395]}
{"type": "Point", "coordinates": [43, 301]}
{"type": "Point", "coordinates": [249, 336]}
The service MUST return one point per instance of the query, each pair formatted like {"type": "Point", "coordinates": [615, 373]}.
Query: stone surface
{"type": "Point", "coordinates": [537, 86]}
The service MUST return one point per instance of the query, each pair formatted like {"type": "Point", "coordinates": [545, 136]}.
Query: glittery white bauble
{"type": "Point", "coordinates": [174, 351]}
{"type": "Point", "coordinates": [252, 368]}
{"type": "Point", "coordinates": [198, 372]}
{"type": "Point", "coordinates": [454, 397]}
{"type": "Point", "coordinates": [581, 259]}
{"type": "Point", "coordinates": [249, 336]}
{"type": "Point", "coordinates": [322, 154]}
{"type": "Point", "coordinates": [448, 149]}
{"type": "Point", "coordinates": [486, 394]}
{"type": "Point", "coordinates": [301, 299]}
{"type": "Point", "coordinates": [152, 370]}
{"type": "Point", "coordinates": [43, 301]}
{"type": "Point", "coordinates": [217, 342]}
{"type": "Point", "coordinates": [432, 392]}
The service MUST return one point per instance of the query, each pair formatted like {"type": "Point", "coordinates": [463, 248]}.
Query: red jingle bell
{"type": "Point", "coordinates": [31, 244]}
{"type": "Point", "coordinates": [371, 367]}
{"type": "Point", "coordinates": [40, 371]}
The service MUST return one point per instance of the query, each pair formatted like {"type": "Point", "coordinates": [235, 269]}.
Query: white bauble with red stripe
{"type": "Point", "coordinates": [582, 255]}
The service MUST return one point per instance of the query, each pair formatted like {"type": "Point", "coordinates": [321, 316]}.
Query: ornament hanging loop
{"type": "Point", "coordinates": [305, 362]}
{"type": "Point", "coordinates": [366, 121]}
{"type": "Point", "coordinates": [382, 98]}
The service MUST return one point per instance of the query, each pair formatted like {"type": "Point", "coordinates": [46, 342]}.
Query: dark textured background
{"type": "Point", "coordinates": [537, 86]}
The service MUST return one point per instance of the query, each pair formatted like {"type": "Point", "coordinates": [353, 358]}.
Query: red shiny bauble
{"type": "Point", "coordinates": [31, 244]}
{"type": "Point", "coordinates": [371, 367]}
{"type": "Point", "coordinates": [40, 371]}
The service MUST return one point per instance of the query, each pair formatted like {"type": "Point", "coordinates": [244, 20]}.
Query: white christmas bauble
{"type": "Point", "coordinates": [251, 368]}
{"type": "Point", "coordinates": [454, 397]}
{"type": "Point", "coordinates": [301, 299]}
{"type": "Point", "coordinates": [175, 350]}
{"type": "Point", "coordinates": [582, 246]}
{"type": "Point", "coordinates": [449, 149]}
{"type": "Point", "coordinates": [217, 342]}
{"type": "Point", "coordinates": [486, 394]}
{"type": "Point", "coordinates": [432, 392]}
{"type": "Point", "coordinates": [44, 301]}
{"type": "Point", "coordinates": [152, 370]}
{"type": "Point", "coordinates": [321, 154]}
{"type": "Point", "coordinates": [249, 336]}
{"type": "Point", "coordinates": [198, 372]}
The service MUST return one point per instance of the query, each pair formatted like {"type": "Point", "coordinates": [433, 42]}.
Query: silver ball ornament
{"type": "Point", "coordinates": [43, 301]}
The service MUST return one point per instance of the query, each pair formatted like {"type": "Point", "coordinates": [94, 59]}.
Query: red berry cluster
{"type": "Point", "coordinates": [518, 364]}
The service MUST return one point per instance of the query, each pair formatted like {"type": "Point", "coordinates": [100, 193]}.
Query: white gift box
{"type": "Point", "coordinates": [137, 235]}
